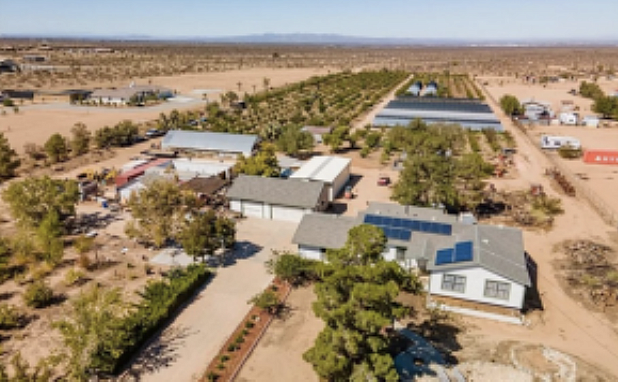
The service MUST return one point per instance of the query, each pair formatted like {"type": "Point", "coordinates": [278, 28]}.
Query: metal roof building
{"type": "Point", "coordinates": [470, 114]}
{"type": "Point", "coordinates": [222, 144]}
{"type": "Point", "coordinates": [334, 171]}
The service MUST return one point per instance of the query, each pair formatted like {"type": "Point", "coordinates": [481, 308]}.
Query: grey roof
{"type": "Point", "coordinates": [498, 249]}
{"type": "Point", "coordinates": [323, 231]}
{"type": "Point", "coordinates": [277, 191]}
{"type": "Point", "coordinates": [209, 141]}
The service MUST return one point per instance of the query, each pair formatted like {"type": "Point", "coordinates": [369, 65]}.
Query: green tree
{"type": "Point", "coordinates": [80, 143]}
{"type": "Point", "coordinates": [510, 105]}
{"type": "Point", "coordinates": [292, 268]}
{"type": "Point", "coordinates": [9, 160]}
{"type": "Point", "coordinates": [158, 212]}
{"type": "Point", "coordinates": [293, 140]}
{"type": "Point", "coordinates": [93, 321]}
{"type": "Point", "coordinates": [38, 295]}
{"type": "Point", "coordinates": [56, 148]}
{"type": "Point", "coordinates": [591, 90]}
{"type": "Point", "coordinates": [49, 237]}
{"type": "Point", "coordinates": [264, 163]}
{"type": "Point", "coordinates": [205, 233]}
{"type": "Point", "coordinates": [607, 106]}
{"type": "Point", "coordinates": [267, 301]}
{"type": "Point", "coordinates": [33, 199]}
{"type": "Point", "coordinates": [337, 137]}
{"type": "Point", "coordinates": [357, 301]}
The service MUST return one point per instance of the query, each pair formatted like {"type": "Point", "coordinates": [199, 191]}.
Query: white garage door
{"type": "Point", "coordinates": [252, 209]}
{"type": "Point", "coordinates": [312, 253]}
{"type": "Point", "coordinates": [287, 213]}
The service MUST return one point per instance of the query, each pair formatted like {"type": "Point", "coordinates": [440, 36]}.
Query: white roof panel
{"type": "Point", "coordinates": [323, 168]}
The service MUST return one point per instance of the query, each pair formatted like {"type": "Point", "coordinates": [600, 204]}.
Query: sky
{"type": "Point", "coordinates": [426, 19]}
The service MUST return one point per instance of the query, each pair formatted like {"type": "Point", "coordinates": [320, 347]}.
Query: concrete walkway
{"type": "Point", "coordinates": [183, 350]}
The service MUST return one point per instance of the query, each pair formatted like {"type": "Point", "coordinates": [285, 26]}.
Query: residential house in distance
{"type": "Point", "coordinates": [318, 132]}
{"type": "Point", "coordinates": [537, 112]}
{"type": "Point", "coordinates": [222, 145]}
{"type": "Point", "coordinates": [469, 265]}
{"type": "Point", "coordinates": [132, 94]}
{"type": "Point", "coordinates": [277, 198]}
{"type": "Point", "coordinates": [334, 171]}
{"type": "Point", "coordinates": [8, 66]}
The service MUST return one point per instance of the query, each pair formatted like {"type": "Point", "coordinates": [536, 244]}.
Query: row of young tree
{"type": "Point", "coordinates": [59, 148]}
{"type": "Point", "coordinates": [605, 105]}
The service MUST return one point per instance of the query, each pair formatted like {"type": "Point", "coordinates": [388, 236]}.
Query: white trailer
{"type": "Point", "coordinates": [556, 142]}
{"type": "Point", "coordinates": [569, 118]}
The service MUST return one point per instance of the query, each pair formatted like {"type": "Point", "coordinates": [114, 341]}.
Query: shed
{"type": "Point", "coordinates": [221, 144]}
{"type": "Point", "coordinates": [276, 198]}
{"type": "Point", "coordinates": [334, 171]}
{"type": "Point", "coordinates": [138, 171]}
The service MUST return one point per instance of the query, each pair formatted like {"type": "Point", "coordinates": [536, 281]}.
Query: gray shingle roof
{"type": "Point", "coordinates": [323, 231]}
{"type": "Point", "coordinates": [209, 141]}
{"type": "Point", "coordinates": [277, 191]}
{"type": "Point", "coordinates": [498, 249]}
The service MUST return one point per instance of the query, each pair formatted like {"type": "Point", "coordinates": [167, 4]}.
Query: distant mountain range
{"type": "Point", "coordinates": [328, 39]}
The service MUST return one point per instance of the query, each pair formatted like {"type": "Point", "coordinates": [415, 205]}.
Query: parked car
{"type": "Point", "coordinates": [384, 180]}
{"type": "Point", "coordinates": [153, 133]}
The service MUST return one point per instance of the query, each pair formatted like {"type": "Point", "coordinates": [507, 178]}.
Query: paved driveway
{"type": "Point", "coordinates": [182, 352]}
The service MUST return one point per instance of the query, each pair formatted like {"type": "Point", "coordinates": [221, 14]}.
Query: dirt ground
{"type": "Point", "coordinates": [285, 341]}
{"type": "Point", "coordinates": [602, 180]}
{"type": "Point", "coordinates": [34, 124]}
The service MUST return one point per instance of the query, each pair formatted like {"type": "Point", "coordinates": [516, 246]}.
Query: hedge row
{"type": "Point", "coordinates": [160, 302]}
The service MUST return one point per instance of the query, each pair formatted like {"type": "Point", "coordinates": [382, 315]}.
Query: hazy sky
{"type": "Point", "coordinates": [469, 19]}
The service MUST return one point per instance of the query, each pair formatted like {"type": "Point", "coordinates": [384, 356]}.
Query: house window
{"type": "Point", "coordinates": [497, 289]}
{"type": "Point", "coordinates": [400, 254]}
{"type": "Point", "coordinates": [454, 283]}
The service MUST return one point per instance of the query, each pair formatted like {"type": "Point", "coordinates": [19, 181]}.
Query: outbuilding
{"type": "Point", "coordinates": [334, 171]}
{"type": "Point", "coordinates": [205, 142]}
{"type": "Point", "coordinates": [276, 198]}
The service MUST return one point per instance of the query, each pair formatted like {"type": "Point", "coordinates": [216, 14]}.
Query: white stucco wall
{"type": "Point", "coordinates": [312, 253]}
{"type": "Point", "coordinates": [475, 287]}
{"type": "Point", "coordinates": [339, 183]}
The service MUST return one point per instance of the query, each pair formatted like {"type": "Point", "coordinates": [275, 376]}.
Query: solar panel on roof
{"type": "Point", "coordinates": [463, 251]}
{"type": "Point", "coordinates": [387, 221]}
{"type": "Point", "coordinates": [406, 235]}
{"type": "Point", "coordinates": [397, 222]}
{"type": "Point", "coordinates": [372, 219]}
{"type": "Point", "coordinates": [444, 256]}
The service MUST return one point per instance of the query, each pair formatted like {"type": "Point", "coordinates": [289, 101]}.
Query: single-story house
{"type": "Point", "coordinates": [537, 110]}
{"type": "Point", "coordinates": [591, 121]}
{"type": "Point", "coordinates": [221, 144]}
{"type": "Point", "coordinates": [134, 93]}
{"type": "Point", "coordinates": [318, 132]}
{"type": "Point", "coordinates": [8, 66]}
{"type": "Point", "coordinates": [276, 198]}
{"type": "Point", "coordinates": [467, 262]}
{"type": "Point", "coordinates": [203, 186]}
{"type": "Point", "coordinates": [334, 171]}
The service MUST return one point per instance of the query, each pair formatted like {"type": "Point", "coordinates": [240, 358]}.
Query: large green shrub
{"type": "Point", "coordinates": [38, 295]}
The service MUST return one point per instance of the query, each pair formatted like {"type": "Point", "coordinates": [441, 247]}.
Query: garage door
{"type": "Point", "coordinates": [252, 209]}
{"type": "Point", "coordinates": [287, 213]}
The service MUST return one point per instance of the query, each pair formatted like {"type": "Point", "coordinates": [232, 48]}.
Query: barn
{"type": "Point", "coordinates": [334, 171]}
{"type": "Point", "coordinates": [276, 198]}
{"type": "Point", "coordinates": [220, 144]}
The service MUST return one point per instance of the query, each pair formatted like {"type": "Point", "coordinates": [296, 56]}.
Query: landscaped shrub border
{"type": "Point", "coordinates": [161, 302]}
{"type": "Point", "coordinates": [227, 363]}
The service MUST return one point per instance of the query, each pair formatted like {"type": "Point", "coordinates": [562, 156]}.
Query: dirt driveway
{"type": "Point", "coordinates": [182, 352]}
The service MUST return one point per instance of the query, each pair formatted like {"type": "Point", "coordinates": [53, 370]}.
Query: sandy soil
{"type": "Point", "coordinates": [35, 125]}
{"type": "Point", "coordinates": [285, 341]}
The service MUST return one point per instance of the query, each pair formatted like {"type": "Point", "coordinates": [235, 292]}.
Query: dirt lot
{"type": "Point", "coordinates": [285, 341]}
{"type": "Point", "coordinates": [37, 124]}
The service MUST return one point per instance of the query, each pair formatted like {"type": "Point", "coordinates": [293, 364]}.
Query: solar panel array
{"type": "Point", "coordinates": [463, 251]}
{"type": "Point", "coordinates": [401, 229]}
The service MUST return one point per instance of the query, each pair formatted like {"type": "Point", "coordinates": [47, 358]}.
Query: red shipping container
{"type": "Point", "coordinates": [601, 156]}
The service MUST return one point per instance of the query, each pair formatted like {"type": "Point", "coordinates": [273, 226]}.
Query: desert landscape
{"type": "Point", "coordinates": [171, 321]}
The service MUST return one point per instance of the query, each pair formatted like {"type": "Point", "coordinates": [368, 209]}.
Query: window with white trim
{"type": "Point", "coordinates": [454, 283]}
{"type": "Point", "coordinates": [497, 289]}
